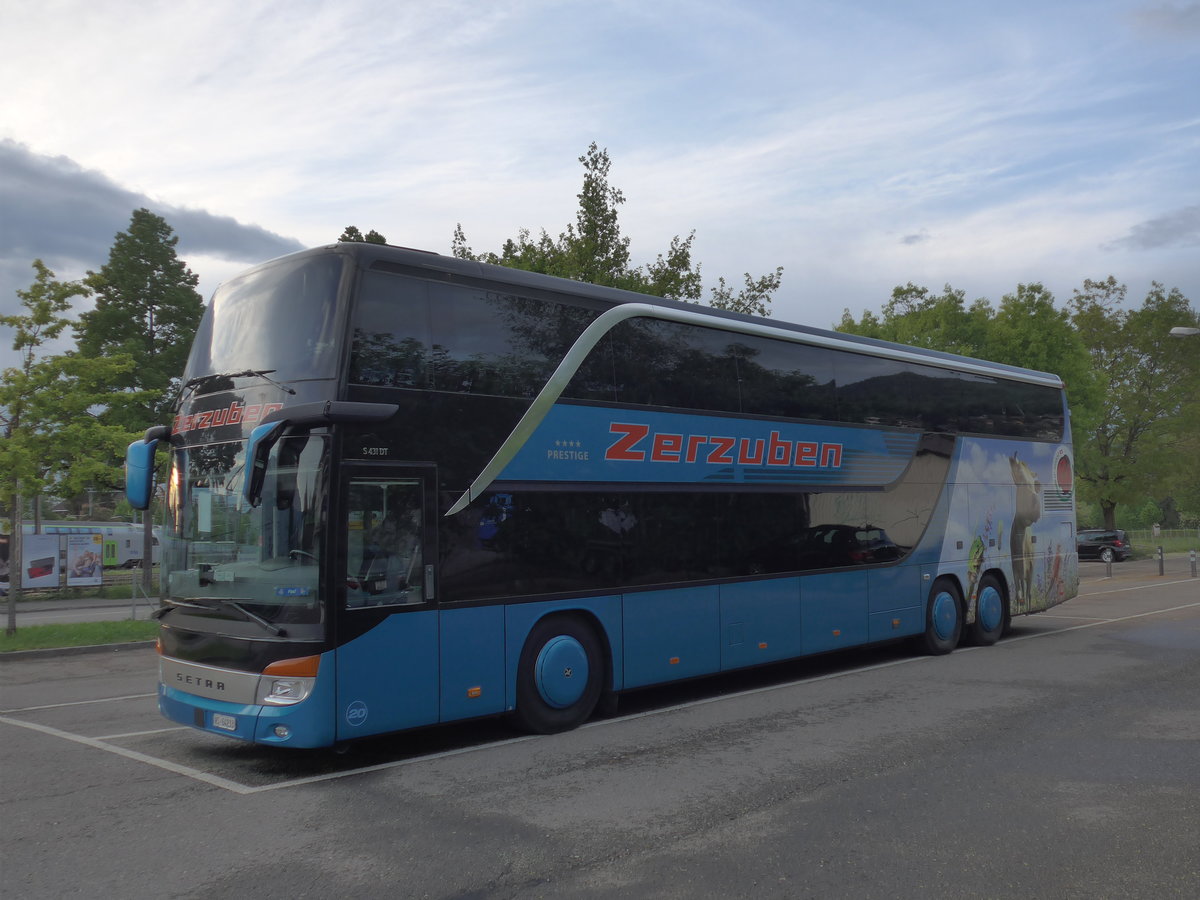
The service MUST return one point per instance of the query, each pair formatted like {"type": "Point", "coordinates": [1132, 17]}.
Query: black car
{"type": "Point", "coordinates": [1106, 545]}
{"type": "Point", "coordinates": [829, 546]}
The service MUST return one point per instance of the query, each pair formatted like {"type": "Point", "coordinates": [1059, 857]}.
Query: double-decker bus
{"type": "Point", "coordinates": [406, 489]}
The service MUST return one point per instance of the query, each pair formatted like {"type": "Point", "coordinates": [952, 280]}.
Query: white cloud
{"type": "Point", "coordinates": [858, 145]}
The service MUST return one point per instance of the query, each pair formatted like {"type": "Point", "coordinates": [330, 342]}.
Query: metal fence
{"type": "Point", "coordinates": [1147, 537]}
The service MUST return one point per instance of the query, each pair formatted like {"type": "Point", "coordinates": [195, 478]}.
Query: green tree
{"type": "Point", "coordinates": [50, 408]}
{"type": "Point", "coordinates": [147, 309]}
{"type": "Point", "coordinates": [919, 318]}
{"type": "Point", "coordinates": [1148, 408]}
{"type": "Point", "coordinates": [1029, 330]}
{"type": "Point", "coordinates": [1026, 330]}
{"type": "Point", "coordinates": [594, 250]}
{"type": "Point", "coordinates": [353, 235]}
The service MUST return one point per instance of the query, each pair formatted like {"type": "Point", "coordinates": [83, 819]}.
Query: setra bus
{"type": "Point", "coordinates": [406, 489]}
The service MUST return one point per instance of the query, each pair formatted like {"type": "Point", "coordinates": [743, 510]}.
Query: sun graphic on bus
{"type": "Point", "coordinates": [1064, 476]}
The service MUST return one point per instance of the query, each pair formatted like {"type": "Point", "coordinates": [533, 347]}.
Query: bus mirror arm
{"type": "Point", "coordinates": [331, 412]}
{"type": "Point", "coordinates": [304, 415]}
{"type": "Point", "coordinates": [157, 433]}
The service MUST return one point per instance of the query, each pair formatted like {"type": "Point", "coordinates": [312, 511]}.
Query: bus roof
{"type": "Point", "coordinates": [428, 263]}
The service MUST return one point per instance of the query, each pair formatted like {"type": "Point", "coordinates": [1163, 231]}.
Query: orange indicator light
{"type": "Point", "coordinates": [474, 692]}
{"type": "Point", "coordinates": [762, 645]}
{"type": "Point", "coordinates": [674, 660]}
{"type": "Point", "coordinates": [837, 632]}
{"type": "Point", "coordinates": [302, 667]}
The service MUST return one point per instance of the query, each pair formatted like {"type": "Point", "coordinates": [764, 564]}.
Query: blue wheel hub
{"type": "Point", "coordinates": [561, 671]}
{"type": "Point", "coordinates": [945, 615]}
{"type": "Point", "coordinates": [991, 608]}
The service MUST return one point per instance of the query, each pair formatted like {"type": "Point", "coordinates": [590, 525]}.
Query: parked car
{"type": "Point", "coordinates": [831, 546]}
{"type": "Point", "coordinates": [1106, 545]}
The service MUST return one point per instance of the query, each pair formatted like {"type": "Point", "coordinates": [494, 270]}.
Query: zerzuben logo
{"type": "Point", "coordinates": [637, 444]}
{"type": "Point", "coordinates": [234, 414]}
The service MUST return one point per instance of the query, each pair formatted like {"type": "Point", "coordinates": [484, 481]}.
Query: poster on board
{"type": "Point", "coordinates": [40, 553]}
{"type": "Point", "coordinates": [85, 560]}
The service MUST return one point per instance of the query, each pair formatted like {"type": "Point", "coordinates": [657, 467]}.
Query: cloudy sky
{"type": "Point", "coordinates": [860, 144]}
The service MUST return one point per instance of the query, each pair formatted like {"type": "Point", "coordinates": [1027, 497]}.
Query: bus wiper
{"type": "Point", "coordinates": [248, 373]}
{"type": "Point", "coordinates": [171, 605]}
{"type": "Point", "coordinates": [197, 603]}
{"type": "Point", "coordinates": [254, 617]}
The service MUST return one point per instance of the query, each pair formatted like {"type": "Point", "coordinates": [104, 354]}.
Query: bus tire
{"type": "Point", "coordinates": [943, 617]}
{"type": "Point", "coordinates": [991, 612]}
{"type": "Point", "coordinates": [560, 675]}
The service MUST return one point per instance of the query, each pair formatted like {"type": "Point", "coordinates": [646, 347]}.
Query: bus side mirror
{"type": "Point", "coordinates": [319, 414]}
{"type": "Point", "coordinates": [258, 453]}
{"type": "Point", "coordinates": [139, 467]}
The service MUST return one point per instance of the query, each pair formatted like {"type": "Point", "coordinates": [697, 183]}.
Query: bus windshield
{"type": "Point", "coordinates": [225, 557]}
{"type": "Point", "coordinates": [278, 318]}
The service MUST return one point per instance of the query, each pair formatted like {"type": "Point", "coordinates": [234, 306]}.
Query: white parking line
{"type": "Point", "coordinates": [1094, 622]}
{"type": "Point", "coordinates": [129, 734]}
{"type": "Point", "coordinates": [96, 743]}
{"type": "Point", "coordinates": [76, 703]}
{"type": "Point", "coordinates": [243, 789]}
{"type": "Point", "coordinates": [1138, 587]}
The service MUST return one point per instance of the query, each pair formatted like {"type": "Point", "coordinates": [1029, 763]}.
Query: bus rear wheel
{"type": "Point", "coordinates": [560, 675]}
{"type": "Point", "coordinates": [943, 618]}
{"type": "Point", "coordinates": [991, 613]}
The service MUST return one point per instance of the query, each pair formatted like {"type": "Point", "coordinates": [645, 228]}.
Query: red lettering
{"type": "Point", "coordinates": [779, 452]}
{"type": "Point", "coordinates": [234, 414]}
{"type": "Point", "coordinates": [721, 454]}
{"type": "Point", "coordinates": [622, 448]}
{"type": "Point", "coordinates": [748, 459]}
{"type": "Point", "coordinates": [831, 456]}
{"type": "Point", "coordinates": [806, 453]}
{"type": "Point", "coordinates": [773, 450]}
{"type": "Point", "coordinates": [666, 447]}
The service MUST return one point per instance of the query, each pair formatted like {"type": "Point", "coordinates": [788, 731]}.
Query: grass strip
{"type": "Point", "coordinates": [80, 634]}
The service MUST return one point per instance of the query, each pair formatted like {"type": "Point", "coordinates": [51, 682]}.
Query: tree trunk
{"type": "Point", "coordinates": [1109, 509]}
{"type": "Point", "coordinates": [15, 551]}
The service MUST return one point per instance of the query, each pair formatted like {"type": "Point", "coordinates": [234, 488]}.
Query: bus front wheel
{"type": "Point", "coordinates": [943, 617]}
{"type": "Point", "coordinates": [560, 675]}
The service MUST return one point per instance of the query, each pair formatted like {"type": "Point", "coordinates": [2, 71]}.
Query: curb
{"type": "Point", "coordinates": [19, 655]}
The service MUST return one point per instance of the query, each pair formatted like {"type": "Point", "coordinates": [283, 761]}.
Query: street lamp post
{"type": "Point", "coordinates": [1183, 331]}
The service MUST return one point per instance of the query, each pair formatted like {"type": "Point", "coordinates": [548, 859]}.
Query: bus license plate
{"type": "Point", "coordinates": [224, 722]}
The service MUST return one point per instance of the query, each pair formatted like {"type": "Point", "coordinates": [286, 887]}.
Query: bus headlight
{"type": "Point", "coordinates": [283, 691]}
{"type": "Point", "coordinates": [287, 681]}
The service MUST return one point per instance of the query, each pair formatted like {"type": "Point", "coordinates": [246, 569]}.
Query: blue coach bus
{"type": "Point", "coordinates": [406, 489]}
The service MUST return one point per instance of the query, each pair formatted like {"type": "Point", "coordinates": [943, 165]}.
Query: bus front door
{"type": "Point", "coordinates": [387, 631]}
